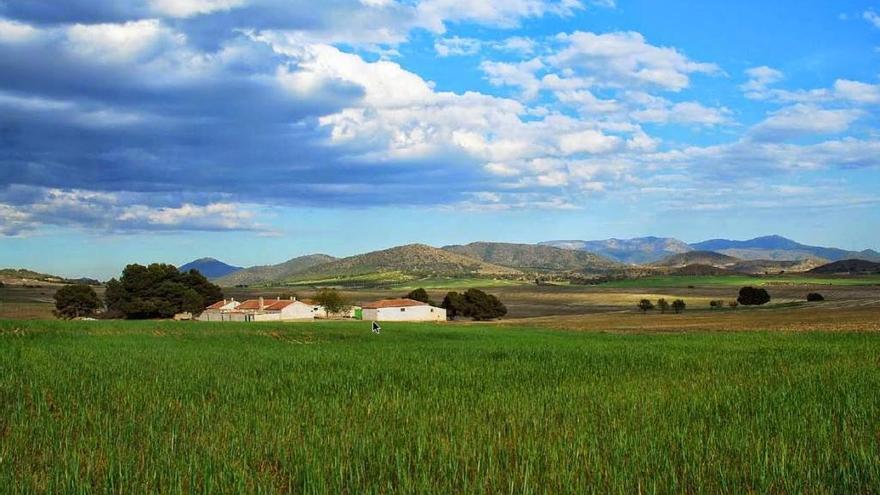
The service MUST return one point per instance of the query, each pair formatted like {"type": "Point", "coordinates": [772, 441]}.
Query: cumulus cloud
{"type": "Point", "coordinates": [625, 59]}
{"type": "Point", "coordinates": [804, 120]}
{"type": "Point", "coordinates": [455, 46]}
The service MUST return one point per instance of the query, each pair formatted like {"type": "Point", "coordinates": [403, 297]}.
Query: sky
{"type": "Point", "coordinates": [255, 131]}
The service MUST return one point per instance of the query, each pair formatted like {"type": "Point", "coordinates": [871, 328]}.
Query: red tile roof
{"type": "Point", "coordinates": [277, 305]}
{"type": "Point", "coordinates": [250, 304]}
{"type": "Point", "coordinates": [393, 303]}
{"type": "Point", "coordinates": [218, 305]}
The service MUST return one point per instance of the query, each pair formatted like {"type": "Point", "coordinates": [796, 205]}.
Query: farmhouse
{"type": "Point", "coordinates": [402, 310]}
{"type": "Point", "coordinates": [263, 310]}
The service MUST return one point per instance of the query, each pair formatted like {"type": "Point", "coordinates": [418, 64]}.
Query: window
{"type": "Point", "coordinates": [432, 310]}
{"type": "Point", "coordinates": [402, 309]}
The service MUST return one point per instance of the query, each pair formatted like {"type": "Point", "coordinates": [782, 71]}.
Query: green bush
{"type": "Point", "coordinates": [74, 301]}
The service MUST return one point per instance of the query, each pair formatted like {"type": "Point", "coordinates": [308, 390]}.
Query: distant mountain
{"type": "Point", "coordinates": [535, 257]}
{"type": "Point", "coordinates": [405, 263]}
{"type": "Point", "coordinates": [848, 266]}
{"type": "Point", "coordinates": [778, 248]}
{"type": "Point", "coordinates": [638, 250]}
{"type": "Point", "coordinates": [210, 267]}
{"type": "Point", "coordinates": [21, 276]}
{"type": "Point", "coordinates": [768, 267]}
{"type": "Point", "coordinates": [268, 274]}
{"type": "Point", "coordinates": [707, 258]}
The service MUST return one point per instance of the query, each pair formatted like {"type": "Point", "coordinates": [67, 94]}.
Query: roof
{"type": "Point", "coordinates": [251, 304]}
{"type": "Point", "coordinates": [278, 305]}
{"type": "Point", "coordinates": [393, 303]}
{"type": "Point", "coordinates": [220, 304]}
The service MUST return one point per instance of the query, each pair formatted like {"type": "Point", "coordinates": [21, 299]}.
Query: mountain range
{"type": "Point", "coordinates": [209, 267]}
{"type": "Point", "coordinates": [652, 249]}
{"type": "Point", "coordinates": [566, 259]}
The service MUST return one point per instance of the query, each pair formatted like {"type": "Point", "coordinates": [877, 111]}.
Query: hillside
{"type": "Point", "coordinates": [767, 267]}
{"type": "Point", "coordinates": [210, 267]}
{"type": "Point", "coordinates": [848, 266]}
{"type": "Point", "coordinates": [778, 248]}
{"type": "Point", "coordinates": [267, 274]}
{"type": "Point", "coordinates": [20, 276]}
{"type": "Point", "coordinates": [406, 262]}
{"type": "Point", "coordinates": [708, 258]}
{"type": "Point", "coordinates": [534, 257]}
{"type": "Point", "coordinates": [637, 251]}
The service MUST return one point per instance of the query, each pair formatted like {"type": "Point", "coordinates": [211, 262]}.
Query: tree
{"type": "Point", "coordinates": [662, 305]}
{"type": "Point", "coordinates": [454, 304]}
{"type": "Point", "coordinates": [159, 291]}
{"type": "Point", "coordinates": [732, 304]}
{"type": "Point", "coordinates": [815, 297]}
{"type": "Point", "coordinates": [332, 301]}
{"type": "Point", "coordinates": [420, 295]}
{"type": "Point", "coordinates": [753, 296]}
{"type": "Point", "coordinates": [645, 305]}
{"type": "Point", "coordinates": [474, 304]}
{"type": "Point", "coordinates": [678, 306]}
{"type": "Point", "coordinates": [74, 301]}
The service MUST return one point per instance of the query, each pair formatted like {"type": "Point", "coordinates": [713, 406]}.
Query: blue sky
{"type": "Point", "coordinates": [258, 130]}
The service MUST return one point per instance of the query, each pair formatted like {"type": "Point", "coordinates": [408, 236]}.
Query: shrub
{"type": "Point", "coordinates": [678, 306]}
{"type": "Point", "coordinates": [662, 305]}
{"type": "Point", "coordinates": [332, 301]}
{"type": "Point", "coordinates": [716, 304]}
{"type": "Point", "coordinates": [74, 301]}
{"type": "Point", "coordinates": [815, 297]}
{"type": "Point", "coordinates": [474, 304]}
{"type": "Point", "coordinates": [732, 304]}
{"type": "Point", "coordinates": [645, 305]}
{"type": "Point", "coordinates": [419, 295]}
{"type": "Point", "coordinates": [753, 296]}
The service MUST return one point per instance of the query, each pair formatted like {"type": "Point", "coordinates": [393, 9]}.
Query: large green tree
{"type": "Point", "coordinates": [474, 304]}
{"type": "Point", "coordinates": [332, 301]}
{"type": "Point", "coordinates": [159, 291]}
{"type": "Point", "coordinates": [74, 301]}
{"type": "Point", "coordinates": [419, 295]}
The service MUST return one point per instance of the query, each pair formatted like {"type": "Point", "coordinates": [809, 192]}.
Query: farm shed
{"type": "Point", "coordinates": [402, 310]}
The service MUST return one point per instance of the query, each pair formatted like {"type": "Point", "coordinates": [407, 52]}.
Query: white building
{"type": "Point", "coordinates": [216, 311]}
{"type": "Point", "coordinates": [402, 310]}
{"type": "Point", "coordinates": [264, 310]}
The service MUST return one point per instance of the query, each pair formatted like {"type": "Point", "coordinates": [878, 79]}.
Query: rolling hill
{"type": "Point", "coordinates": [848, 266]}
{"type": "Point", "coordinates": [535, 257]}
{"type": "Point", "coordinates": [708, 258]}
{"type": "Point", "coordinates": [404, 263]}
{"type": "Point", "coordinates": [636, 251]}
{"type": "Point", "coordinates": [778, 248]}
{"type": "Point", "coordinates": [267, 274]}
{"type": "Point", "coordinates": [772, 267]}
{"type": "Point", "coordinates": [210, 267]}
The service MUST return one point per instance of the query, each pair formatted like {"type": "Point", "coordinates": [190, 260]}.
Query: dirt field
{"type": "Point", "coordinates": [589, 308]}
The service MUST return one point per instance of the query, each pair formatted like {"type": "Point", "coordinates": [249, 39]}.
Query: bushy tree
{"type": "Point", "coordinates": [753, 296]}
{"type": "Point", "coordinates": [716, 304]}
{"type": "Point", "coordinates": [645, 305]}
{"type": "Point", "coordinates": [678, 306]}
{"type": "Point", "coordinates": [662, 305]}
{"type": "Point", "coordinates": [815, 297]}
{"type": "Point", "coordinates": [474, 304]}
{"type": "Point", "coordinates": [733, 304]}
{"type": "Point", "coordinates": [420, 295]}
{"type": "Point", "coordinates": [74, 301]}
{"type": "Point", "coordinates": [332, 301]}
{"type": "Point", "coordinates": [159, 291]}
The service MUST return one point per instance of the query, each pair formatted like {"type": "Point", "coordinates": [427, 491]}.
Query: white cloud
{"type": "Point", "coordinates": [588, 141]}
{"type": "Point", "coordinates": [520, 75]}
{"type": "Point", "coordinates": [516, 44]}
{"type": "Point", "coordinates": [116, 43]}
{"type": "Point", "coordinates": [434, 14]}
{"type": "Point", "coordinates": [872, 17]}
{"type": "Point", "coordinates": [857, 92]}
{"type": "Point", "coordinates": [759, 80]}
{"type": "Point", "coordinates": [624, 59]}
{"type": "Point", "coordinates": [14, 32]}
{"type": "Point", "coordinates": [663, 111]}
{"type": "Point", "coordinates": [188, 8]}
{"type": "Point", "coordinates": [455, 46]}
{"type": "Point", "coordinates": [802, 119]}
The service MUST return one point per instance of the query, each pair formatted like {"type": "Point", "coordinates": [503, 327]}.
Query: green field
{"type": "Point", "coordinates": [740, 280]}
{"type": "Point", "coordinates": [131, 407]}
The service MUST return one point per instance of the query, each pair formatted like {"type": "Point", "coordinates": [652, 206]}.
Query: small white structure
{"type": "Point", "coordinates": [218, 310]}
{"type": "Point", "coordinates": [402, 310]}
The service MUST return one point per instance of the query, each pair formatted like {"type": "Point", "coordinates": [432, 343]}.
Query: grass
{"type": "Point", "coordinates": [457, 283]}
{"type": "Point", "coordinates": [740, 280]}
{"type": "Point", "coordinates": [327, 407]}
